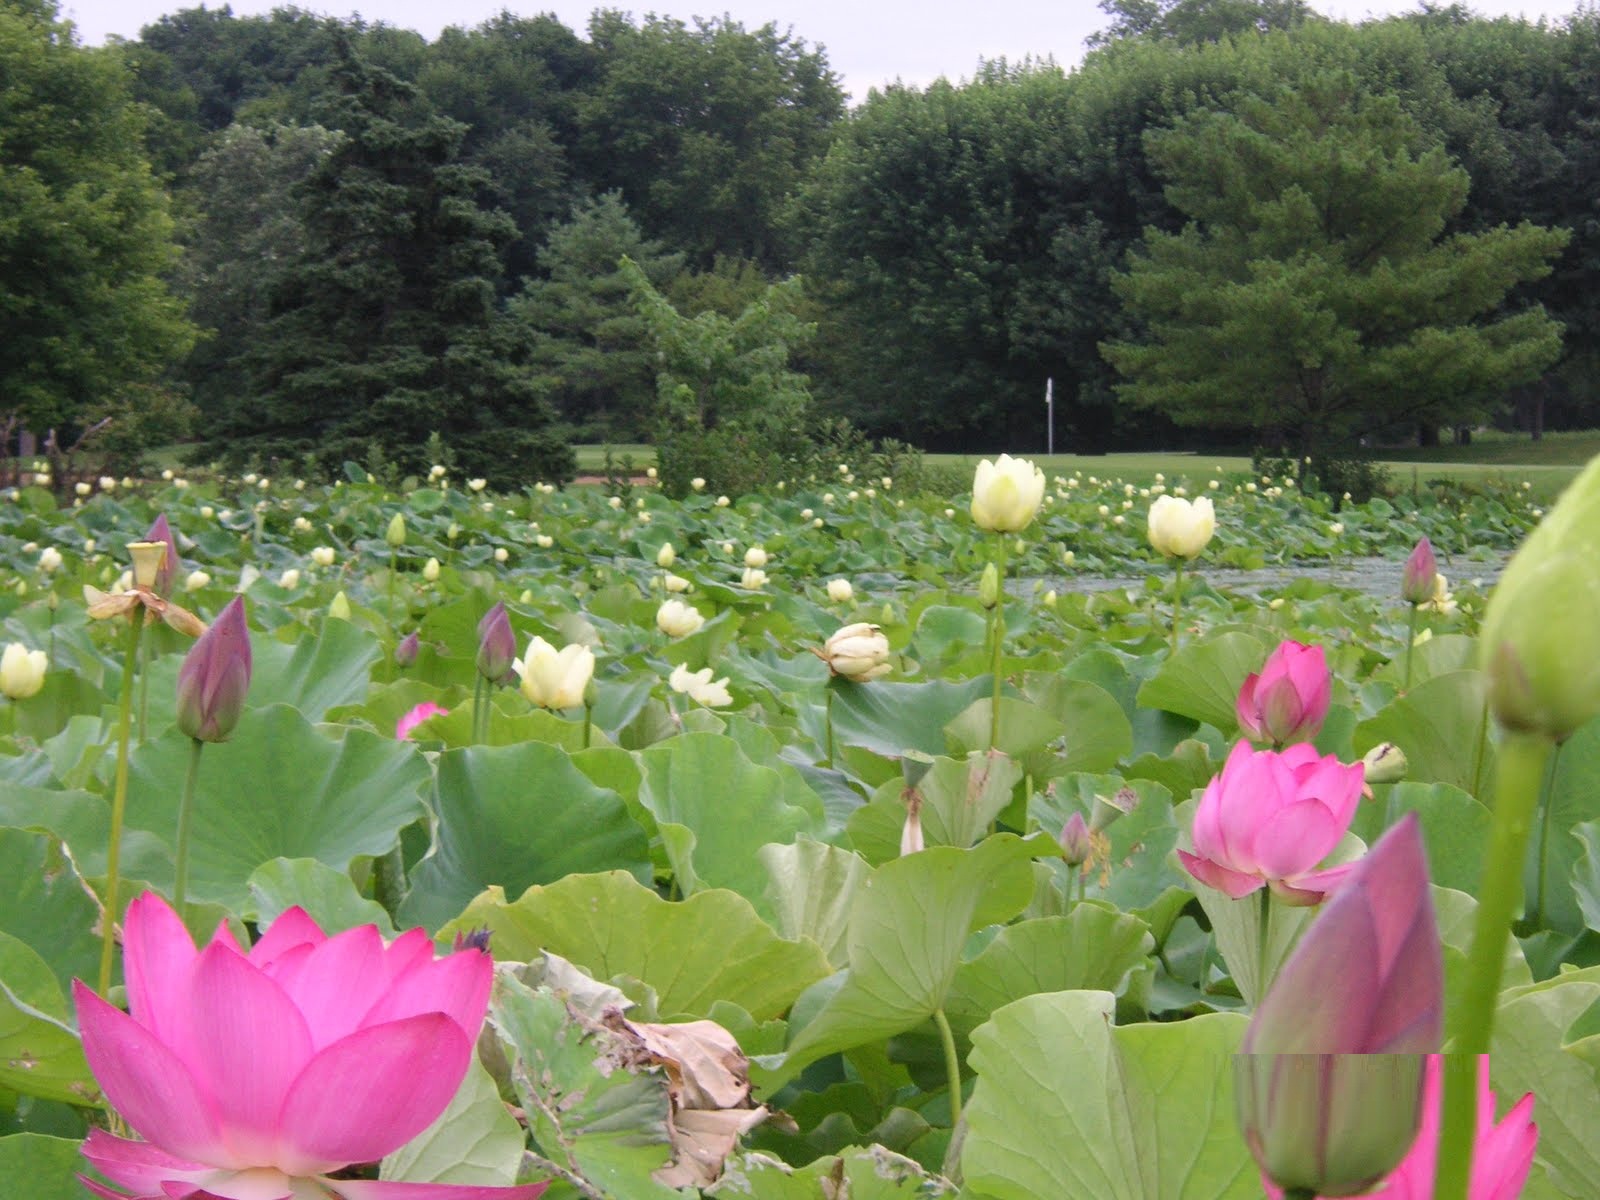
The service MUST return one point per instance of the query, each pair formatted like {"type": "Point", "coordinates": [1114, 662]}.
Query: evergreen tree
{"type": "Point", "coordinates": [385, 327]}
{"type": "Point", "coordinates": [1313, 290]}
{"type": "Point", "coordinates": [591, 350]}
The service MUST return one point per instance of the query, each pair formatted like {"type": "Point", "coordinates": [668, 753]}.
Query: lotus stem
{"type": "Point", "coordinates": [998, 650]}
{"type": "Point", "coordinates": [1177, 600]}
{"type": "Point", "coordinates": [1519, 775]}
{"type": "Point", "coordinates": [478, 722]}
{"type": "Point", "coordinates": [1411, 645]}
{"type": "Point", "coordinates": [827, 723]}
{"type": "Point", "coordinates": [952, 1065]}
{"type": "Point", "coordinates": [588, 724]}
{"type": "Point", "coordinates": [180, 882]}
{"type": "Point", "coordinates": [389, 880]}
{"type": "Point", "coordinates": [119, 798]}
{"type": "Point", "coordinates": [1546, 796]}
{"type": "Point", "coordinates": [144, 700]}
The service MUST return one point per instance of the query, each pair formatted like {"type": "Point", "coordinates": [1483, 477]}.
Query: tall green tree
{"type": "Point", "coordinates": [591, 352]}
{"type": "Point", "coordinates": [386, 328]}
{"type": "Point", "coordinates": [85, 238]}
{"type": "Point", "coordinates": [1313, 290]}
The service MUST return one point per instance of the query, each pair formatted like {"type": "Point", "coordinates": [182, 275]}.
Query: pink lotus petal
{"type": "Point", "coordinates": [1235, 883]}
{"type": "Point", "coordinates": [416, 717]}
{"type": "Point", "coordinates": [105, 1193]}
{"type": "Point", "coordinates": [158, 957]}
{"type": "Point", "coordinates": [1315, 1004]}
{"type": "Point", "coordinates": [456, 985]}
{"type": "Point", "coordinates": [338, 983]}
{"type": "Point", "coordinates": [147, 1083]}
{"type": "Point", "coordinates": [137, 1165]}
{"type": "Point", "coordinates": [1309, 889]}
{"type": "Point", "coordinates": [411, 950]}
{"type": "Point", "coordinates": [292, 928]}
{"type": "Point", "coordinates": [372, 1092]}
{"type": "Point", "coordinates": [1294, 839]}
{"type": "Point", "coordinates": [249, 1043]}
{"type": "Point", "coordinates": [376, 1189]}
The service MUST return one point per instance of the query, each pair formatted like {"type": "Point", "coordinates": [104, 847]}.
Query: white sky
{"type": "Point", "coordinates": [868, 42]}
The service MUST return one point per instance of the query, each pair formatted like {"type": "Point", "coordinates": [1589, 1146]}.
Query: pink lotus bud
{"type": "Point", "coordinates": [497, 644]}
{"type": "Point", "coordinates": [1416, 581]}
{"type": "Point", "coordinates": [160, 531]}
{"type": "Point", "coordinates": [1076, 846]}
{"type": "Point", "coordinates": [1269, 818]}
{"type": "Point", "coordinates": [405, 651]}
{"type": "Point", "coordinates": [1501, 1155]}
{"type": "Point", "coordinates": [1288, 700]}
{"type": "Point", "coordinates": [215, 677]}
{"type": "Point", "coordinates": [1368, 976]}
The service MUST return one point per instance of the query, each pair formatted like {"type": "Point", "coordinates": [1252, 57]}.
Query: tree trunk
{"type": "Point", "coordinates": [1427, 435]}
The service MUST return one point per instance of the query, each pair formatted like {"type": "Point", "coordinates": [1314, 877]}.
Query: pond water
{"type": "Point", "coordinates": [1374, 576]}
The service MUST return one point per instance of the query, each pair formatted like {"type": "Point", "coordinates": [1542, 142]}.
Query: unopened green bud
{"type": "Point", "coordinates": [1384, 763]}
{"type": "Point", "coordinates": [396, 536]}
{"type": "Point", "coordinates": [989, 586]}
{"type": "Point", "coordinates": [1540, 644]}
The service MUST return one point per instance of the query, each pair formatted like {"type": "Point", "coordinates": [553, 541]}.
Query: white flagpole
{"type": "Point", "coordinates": [1050, 417]}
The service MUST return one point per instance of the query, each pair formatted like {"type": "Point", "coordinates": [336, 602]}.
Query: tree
{"type": "Point", "coordinates": [1312, 291]}
{"type": "Point", "coordinates": [85, 239]}
{"type": "Point", "coordinates": [385, 327]}
{"type": "Point", "coordinates": [591, 351]}
{"type": "Point", "coordinates": [1191, 22]}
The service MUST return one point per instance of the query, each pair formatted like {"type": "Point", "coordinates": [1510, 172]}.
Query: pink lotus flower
{"type": "Point", "coordinates": [1288, 700]}
{"type": "Point", "coordinates": [215, 677]}
{"type": "Point", "coordinates": [1269, 818]}
{"type": "Point", "coordinates": [1416, 579]}
{"type": "Point", "coordinates": [416, 717]}
{"type": "Point", "coordinates": [1368, 976]}
{"type": "Point", "coordinates": [254, 1076]}
{"type": "Point", "coordinates": [1501, 1155]}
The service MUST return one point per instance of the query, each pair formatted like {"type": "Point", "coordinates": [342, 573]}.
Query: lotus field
{"type": "Point", "coordinates": [837, 842]}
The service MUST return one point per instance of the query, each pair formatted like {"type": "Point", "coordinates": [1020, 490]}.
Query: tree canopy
{"type": "Point", "coordinates": [1313, 289]}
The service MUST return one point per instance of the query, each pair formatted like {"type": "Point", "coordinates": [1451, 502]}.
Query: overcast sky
{"type": "Point", "coordinates": [869, 42]}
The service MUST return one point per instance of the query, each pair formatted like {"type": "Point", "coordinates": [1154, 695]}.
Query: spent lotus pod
{"type": "Point", "coordinates": [215, 677]}
{"type": "Point", "coordinates": [554, 678]}
{"type": "Point", "coordinates": [1416, 580]}
{"type": "Point", "coordinates": [22, 671]}
{"type": "Point", "coordinates": [859, 652]}
{"type": "Point", "coordinates": [267, 1072]}
{"type": "Point", "coordinates": [1269, 818]}
{"type": "Point", "coordinates": [497, 645]}
{"type": "Point", "coordinates": [148, 559]}
{"type": "Point", "coordinates": [1181, 528]}
{"type": "Point", "coordinates": [1006, 493]}
{"type": "Point", "coordinates": [1287, 700]}
{"type": "Point", "coordinates": [167, 572]}
{"type": "Point", "coordinates": [1540, 641]}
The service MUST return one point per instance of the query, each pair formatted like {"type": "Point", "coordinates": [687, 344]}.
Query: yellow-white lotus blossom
{"type": "Point", "coordinates": [501, 554]}
{"type": "Point", "coordinates": [1181, 528]}
{"type": "Point", "coordinates": [666, 556]}
{"type": "Point", "coordinates": [339, 607]}
{"type": "Point", "coordinates": [859, 652]}
{"type": "Point", "coordinates": [195, 580]}
{"type": "Point", "coordinates": [477, 485]}
{"type": "Point", "coordinates": [22, 671]}
{"type": "Point", "coordinates": [554, 678]}
{"type": "Point", "coordinates": [698, 484]}
{"type": "Point", "coordinates": [1006, 494]}
{"type": "Point", "coordinates": [1443, 600]}
{"type": "Point", "coordinates": [700, 687]}
{"type": "Point", "coordinates": [677, 619]}
{"type": "Point", "coordinates": [49, 559]}
{"type": "Point", "coordinates": [544, 541]}
{"type": "Point", "coordinates": [756, 556]}
{"type": "Point", "coordinates": [430, 570]}
{"type": "Point", "coordinates": [323, 556]}
{"type": "Point", "coordinates": [840, 591]}
{"type": "Point", "coordinates": [676, 583]}
{"type": "Point", "coordinates": [290, 579]}
{"type": "Point", "coordinates": [753, 579]}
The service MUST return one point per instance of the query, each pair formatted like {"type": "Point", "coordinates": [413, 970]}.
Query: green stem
{"type": "Point", "coordinates": [998, 650]}
{"type": "Point", "coordinates": [952, 1065]}
{"type": "Point", "coordinates": [119, 798]}
{"type": "Point", "coordinates": [1457, 1127]}
{"type": "Point", "coordinates": [827, 723]}
{"type": "Point", "coordinates": [477, 710]}
{"type": "Point", "coordinates": [1411, 645]}
{"type": "Point", "coordinates": [588, 723]}
{"type": "Point", "coordinates": [180, 883]}
{"type": "Point", "coordinates": [1519, 772]}
{"type": "Point", "coordinates": [144, 692]}
{"type": "Point", "coordinates": [1546, 793]}
{"type": "Point", "coordinates": [1177, 600]}
{"type": "Point", "coordinates": [1263, 944]}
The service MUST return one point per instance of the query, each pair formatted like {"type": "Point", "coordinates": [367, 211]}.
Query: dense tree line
{"type": "Point", "coordinates": [334, 237]}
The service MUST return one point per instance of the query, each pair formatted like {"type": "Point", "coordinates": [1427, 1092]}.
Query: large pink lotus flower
{"type": "Point", "coordinates": [1269, 818]}
{"type": "Point", "coordinates": [254, 1076]}
{"type": "Point", "coordinates": [1288, 700]}
{"type": "Point", "coordinates": [1501, 1155]}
